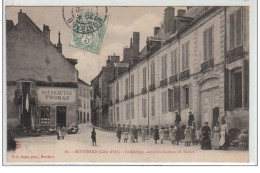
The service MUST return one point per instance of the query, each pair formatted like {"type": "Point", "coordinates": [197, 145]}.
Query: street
{"type": "Point", "coordinates": [78, 148]}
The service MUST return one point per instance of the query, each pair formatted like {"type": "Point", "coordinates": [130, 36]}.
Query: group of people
{"type": "Point", "coordinates": [133, 134]}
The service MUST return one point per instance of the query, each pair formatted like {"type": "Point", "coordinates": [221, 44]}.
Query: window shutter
{"type": "Point", "coordinates": [232, 31]}
{"type": "Point", "coordinates": [211, 43]}
{"type": "Point", "coordinates": [176, 98]}
{"type": "Point", "coordinates": [172, 63]}
{"type": "Point", "coordinates": [205, 45]}
{"type": "Point", "coordinates": [238, 27]}
{"type": "Point", "coordinates": [226, 92]}
{"type": "Point", "coordinates": [170, 100]}
{"type": "Point", "coordinates": [187, 54]}
{"type": "Point", "coordinates": [246, 83]}
{"type": "Point", "coordinates": [183, 57]}
{"type": "Point", "coordinates": [32, 89]}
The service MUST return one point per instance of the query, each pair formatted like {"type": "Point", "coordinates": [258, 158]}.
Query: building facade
{"type": "Point", "coordinates": [84, 101]}
{"type": "Point", "coordinates": [198, 64]}
{"type": "Point", "coordinates": [41, 82]}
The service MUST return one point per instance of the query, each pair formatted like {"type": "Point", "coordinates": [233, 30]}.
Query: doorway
{"type": "Point", "coordinates": [26, 111]}
{"type": "Point", "coordinates": [61, 116]}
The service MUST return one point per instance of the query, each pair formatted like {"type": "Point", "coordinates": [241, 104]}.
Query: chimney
{"type": "Point", "coordinates": [46, 31]}
{"type": "Point", "coordinates": [136, 40]}
{"type": "Point", "coordinates": [168, 17]}
{"type": "Point", "coordinates": [156, 30]}
{"type": "Point", "coordinates": [59, 45]}
{"type": "Point", "coordinates": [181, 12]}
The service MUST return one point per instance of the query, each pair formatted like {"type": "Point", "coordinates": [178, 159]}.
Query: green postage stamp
{"type": "Point", "coordinates": [88, 30]}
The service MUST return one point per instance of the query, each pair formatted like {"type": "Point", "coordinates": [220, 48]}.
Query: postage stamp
{"type": "Point", "coordinates": [88, 28]}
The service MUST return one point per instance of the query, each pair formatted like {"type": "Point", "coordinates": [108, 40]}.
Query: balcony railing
{"type": "Point", "coordinates": [117, 100]}
{"type": "Point", "coordinates": [208, 64]}
{"type": "Point", "coordinates": [163, 82]}
{"type": "Point", "coordinates": [144, 90]}
{"type": "Point", "coordinates": [173, 79]}
{"type": "Point", "coordinates": [132, 95]}
{"type": "Point", "coordinates": [152, 87]}
{"type": "Point", "coordinates": [126, 97]}
{"type": "Point", "coordinates": [185, 75]}
{"type": "Point", "coordinates": [233, 53]}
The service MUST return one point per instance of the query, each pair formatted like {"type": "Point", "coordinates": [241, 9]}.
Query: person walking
{"type": "Point", "coordinates": [136, 134]}
{"type": "Point", "coordinates": [119, 133]}
{"type": "Point", "coordinates": [156, 134]}
{"type": "Point", "coordinates": [144, 133]}
{"type": "Point", "coordinates": [206, 133]}
{"type": "Point", "coordinates": [93, 137]}
{"type": "Point", "coordinates": [216, 136]}
{"type": "Point", "coordinates": [224, 140]}
{"type": "Point", "coordinates": [161, 133]}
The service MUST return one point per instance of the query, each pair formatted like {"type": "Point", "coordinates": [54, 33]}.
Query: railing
{"type": "Point", "coordinates": [163, 82]}
{"type": "Point", "coordinates": [173, 79]}
{"type": "Point", "coordinates": [208, 64]}
{"type": "Point", "coordinates": [144, 90]}
{"type": "Point", "coordinates": [126, 97]}
{"type": "Point", "coordinates": [185, 75]}
{"type": "Point", "coordinates": [152, 87]}
{"type": "Point", "coordinates": [233, 53]}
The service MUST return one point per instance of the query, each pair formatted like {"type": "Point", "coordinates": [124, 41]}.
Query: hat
{"type": "Point", "coordinates": [206, 122]}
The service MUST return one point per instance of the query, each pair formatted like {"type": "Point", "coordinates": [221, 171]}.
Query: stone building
{"type": "Point", "coordinates": [198, 62]}
{"type": "Point", "coordinates": [84, 101]}
{"type": "Point", "coordinates": [41, 82]}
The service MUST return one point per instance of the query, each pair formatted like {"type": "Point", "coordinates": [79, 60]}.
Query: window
{"type": "Point", "coordinates": [126, 86]}
{"type": "Point", "coordinates": [235, 29]}
{"type": "Point", "coordinates": [144, 77]}
{"type": "Point", "coordinates": [185, 56]}
{"type": "Point", "coordinates": [87, 116]}
{"type": "Point", "coordinates": [144, 107]}
{"type": "Point", "coordinates": [170, 99]}
{"type": "Point", "coordinates": [80, 117]}
{"type": "Point", "coordinates": [80, 102]}
{"type": "Point", "coordinates": [164, 102]}
{"type": "Point", "coordinates": [84, 117]}
{"type": "Point", "coordinates": [237, 88]}
{"type": "Point", "coordinates": [84, 104]}
{"type": "Point", "coordinates": [152, 73]}
{"type": "Point", "coordinates": [186, 96]}
{"type": "Point", "coordinates": [117, 90]}
{"type": "Point", "coordinates": [127, 111]}
{"type": "Point", "coordinates": [88, 104]}
{"type": "Point", "coordinates": [84, 92]}
{"type": "Point", "coordinates": [45, 114]}
{"type": "Point", "coordinates": [174, 62]}
{"type": "Point", "coordinates": [176, 94]}
{"type": "Point", "coordinates": [132, 83]}
{"type": "Point", "coordinates": [208, 38]}
{"type": "Point", "coordinates": [164, 67]}
{"type": "Point", "coordinates": [153, 105]}
{"type": "Point", "coordinates": [80, 91]}
{"type": "Point", "coordinates": [133, 110]}
{"type": "Point", "coordinates": [117, 113]}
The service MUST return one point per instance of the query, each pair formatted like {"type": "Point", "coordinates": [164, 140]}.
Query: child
{"type": "Point", "coordinates": [198, 135]}
{"type": "Point", "coordinates": [125, 135]}
{"type": "Point", "coordinates": [187, 133]}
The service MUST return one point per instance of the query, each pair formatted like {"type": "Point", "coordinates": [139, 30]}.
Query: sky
{"type": "Point", "coordinates": [123, 21]}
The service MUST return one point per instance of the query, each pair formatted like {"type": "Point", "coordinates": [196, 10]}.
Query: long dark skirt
{"type": "Point", "coordinates": [206, 143]}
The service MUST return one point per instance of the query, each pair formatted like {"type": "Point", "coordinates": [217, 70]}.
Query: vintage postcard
{"type": "Point", "coordinates": [129, 84]}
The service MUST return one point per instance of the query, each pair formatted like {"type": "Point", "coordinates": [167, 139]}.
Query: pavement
{"type": "Point", "coordinates": [78, 148]}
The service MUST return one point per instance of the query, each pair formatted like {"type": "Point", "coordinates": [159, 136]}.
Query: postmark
{"type": "Point", "coordinates": [88, 27]}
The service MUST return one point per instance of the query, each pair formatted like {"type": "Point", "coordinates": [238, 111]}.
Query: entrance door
{"type": "Point", "coordinates": [209, 100]}
{"type": "Point", "coordinates": [26, 113]}
{"type": "Point", "coordinates": [61, 116]}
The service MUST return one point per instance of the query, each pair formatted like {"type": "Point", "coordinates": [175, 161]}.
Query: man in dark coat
{"type": "Point", "coordinates": [136, 134]}
{"type": "Point", "coordinates": [119, 133]}
{"type": "Point", "coordinates": [191, 118]}
{"type": "Point", "coordinates": [156, 134]}
{"type": "Point", "coordinates": [93, 137]}
{"type": "Point", "coordinates": [177, 118]}
{"type": "Point", "coordinates": [177, 134]}
{"type": "Point", "coordinates": [206, 142]}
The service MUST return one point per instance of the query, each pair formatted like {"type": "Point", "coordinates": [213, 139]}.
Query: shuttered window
{"type": "Point", "coordinates": [235, 29]}
{"type": "Point", "coordinates": [170, 100]}
{"type": "Point", "coordinates": [174, 62]}
{"type": "Point", "coordinates": [132, 83]}
{"type": "Point", "coordinates": [117, 114]}
{"type": "Point", "coordinates": [208, 44]}
{"type": "Point", "coordinates": [144, 107]}
{"type": "Point", "coordinates": [133, 110]}
{"type": "Point", "coordinates": [176, 99]}
{"type": "Point", "coordinates": [126, 86]}
{"type": "Point", "coordinates": [164, 67]}
{"type": "Point", "coordinates": [153, 105]}
{"type": "Point", "coordinates": [127, 111]}
{"type": "Point", "coordinates": [117, 90]}
{"type": "Point", "coordinates": [152, 73]}
{"type": "Point", "coordinates": [185, 56]}
{"type": "Point", "coordinates": [186, 96]}
{"type": "Point", "coordinates": [144, 77]}
{"type": "Point", "coordinates": [164, 102]}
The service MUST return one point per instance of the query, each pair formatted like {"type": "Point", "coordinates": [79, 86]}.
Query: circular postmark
{"type": "Point", "coordinates": [84, 20]}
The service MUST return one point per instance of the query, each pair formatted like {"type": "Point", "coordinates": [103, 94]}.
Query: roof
{"type": "Point", "coordinates": [81, 81]}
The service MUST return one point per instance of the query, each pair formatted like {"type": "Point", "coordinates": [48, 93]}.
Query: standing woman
{"type": "Point", "coordinates": [224, 141]}
{"type": "Point", "coordinates": [161, 132]}
{"type": "Point", "coordinates": [216, 136]}
{"type": "Point", "coordinates": [206, 142]}
{"type": "Point", "coordinates": [177, 134]}
{"type": "Point", "coordinates": [156, 134]}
